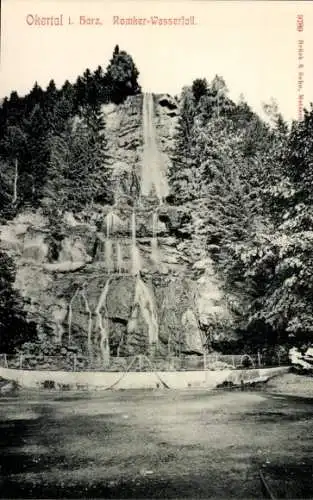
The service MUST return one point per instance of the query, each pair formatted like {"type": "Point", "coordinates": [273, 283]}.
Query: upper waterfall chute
{"type": "Point", "coordinates": [153, 168]}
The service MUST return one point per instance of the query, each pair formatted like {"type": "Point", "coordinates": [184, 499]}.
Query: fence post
{"type": "Point", "coordinates": [259, 359]}
{"type": "Point", "coordinates": [21, 361]}
{"type": "Point", "coordinates": [278, 355]}
{"type": "Point", "coordinates": [140, 362]}
{"type": "Point", "coordinates": [75, 363]}
{"type": "Point", "coordinates": [233, 361]}
{"type": "Point", "coordinates": [5, 361]}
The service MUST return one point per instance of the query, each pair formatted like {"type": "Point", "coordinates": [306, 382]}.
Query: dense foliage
{"type": "Point", "coordinates": [53, 155]}
{"type": "Point", "coordinates": [53, 140]}
{"type": "Point", "coordinates": [250, 184]}
{"type": "Point", "coordinates": [14, 329]}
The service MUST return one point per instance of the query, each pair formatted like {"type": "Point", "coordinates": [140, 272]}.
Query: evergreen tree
{"type": "Point", "coordinates": [199, 88]}
{"type": "Point", "coordinates": [122, 76]}
{"type": "Point", "coordinates": [13, 146]}
{"type": "Point", "coordinates": [36, 160]}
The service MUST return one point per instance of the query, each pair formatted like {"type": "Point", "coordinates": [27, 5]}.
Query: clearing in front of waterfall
{"type": "Point", "coordinates": [154, 444]}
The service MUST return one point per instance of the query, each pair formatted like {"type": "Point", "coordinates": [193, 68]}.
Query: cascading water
{"type": "Point", "coordinates": [119, 258]}
{"type": "Point", "coordinates": [144, 299]}
{"type": "Point", "coordinates": [70, 316]}
{"type": "Point", "coordinates": [113, 222]}
{"type": "Point", "coordinates": [136, 260]}
{"type": "Point", "coordinates": [153, 168]}
{"type": "Point", "coordinates": [103, 323]}
{"type": "Point", "coordinates": [80, 292]}
{"type": "Point", "coordinates": [133, 228]}
{"type": "Point", "coordinates": [88, 311]}
{"type": "Point", "coordinates": [109, 255]}
{"type": "Point", "coordinates": [108, 243]}
{"type": "Point", "coordinates": [154, 241]}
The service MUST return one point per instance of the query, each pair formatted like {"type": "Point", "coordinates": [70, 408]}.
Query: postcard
{"type": "Point", "coordinates": [156, 229]}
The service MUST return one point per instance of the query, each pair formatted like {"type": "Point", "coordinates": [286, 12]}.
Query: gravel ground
{"type": "Point", "coordinates": [155, 444]}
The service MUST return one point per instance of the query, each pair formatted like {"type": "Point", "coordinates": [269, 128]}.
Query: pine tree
{"type": "Point", "coordinates": [122, 76]}
{"type": "Point", "coordinates": [199, 88]}
{"type": "Point", "coordinates": [13, 146]}
{"type": "Point", "coordinates": [36, 159]}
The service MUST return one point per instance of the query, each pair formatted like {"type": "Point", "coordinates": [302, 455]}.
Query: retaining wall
{"type": "Point", "coordinates": [134, 380]}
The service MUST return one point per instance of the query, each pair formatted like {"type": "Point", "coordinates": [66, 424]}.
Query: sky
{"type": "Point", "coordinates": [252, 45]}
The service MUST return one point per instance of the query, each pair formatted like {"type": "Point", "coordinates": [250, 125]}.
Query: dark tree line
{"type": "Point", "coordinates": [53, 155]}
{"type": "Point", "coordinates": [55, 138]}
{"type": "Point", "coordinates": [249, 184]}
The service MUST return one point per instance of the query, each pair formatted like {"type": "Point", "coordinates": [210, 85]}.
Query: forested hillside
{"type": "Point", "coordinates": [53, 152]}
{"type": "Point", "coordinates": [53, 142]}
{"type": "Point", "coordinates": [247, 183]}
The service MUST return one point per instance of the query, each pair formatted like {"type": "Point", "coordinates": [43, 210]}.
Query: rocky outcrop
{"type": "Point", "coordinates": [168, 101]}
{"type": "Point", "coordinates": [123, 279]}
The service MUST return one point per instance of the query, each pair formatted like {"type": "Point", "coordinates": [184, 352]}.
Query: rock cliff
{"type": "Point", "coordinates": [127, 278]}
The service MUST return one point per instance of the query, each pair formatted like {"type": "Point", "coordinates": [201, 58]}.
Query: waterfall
{"type": "Point", "coordinates": [154, 241]}
{"type": "Point", "coordinates": [145, 300]}
{"type": "Point", "coordinates": [119, 258]}
{"type": "Point", "coordinates": [136, 260]}
{"type": "Point", "coordinates": [109, 264]}
{"type": "Point", "coordinates": [70, 316]}
{"type": "Point", "coordinates": [103, 323]}
{"type": "Point", "coordinates": [88, 310]}
{"type": "Point", "coordinates": [108, 243]}
{"type": "Point", "coordinates": [133, 227]}
{"type": "Point", "coordinates": [113, 223]}
{"type": "Point", "coordinates": [153, 167]}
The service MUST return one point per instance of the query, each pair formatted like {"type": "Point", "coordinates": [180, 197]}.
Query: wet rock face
{"type": "Point", "coordinates": [177, 220]}
{"type": "Point", "coordinates": [161, 313]}
{"type": "Point", "coordinates": [130, 275]}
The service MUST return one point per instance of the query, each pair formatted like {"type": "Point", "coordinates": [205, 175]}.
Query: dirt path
{"type": "Point", "coordinates": [155, 444]}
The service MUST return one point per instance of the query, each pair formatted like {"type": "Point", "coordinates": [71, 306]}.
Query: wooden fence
{"type": "Point", "coordinates": [74, 362]}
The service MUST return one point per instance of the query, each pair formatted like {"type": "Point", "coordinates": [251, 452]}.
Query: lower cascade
{"type": "Point", "coordinates": [144, 299]}
{"type": "Point", "coordinates": [119, 258]}
{"type": "Point", "coordinates": [103, 323]}
{"type": "Point", "coordinates": [88, 311]}
{"type": "Point", "coordinates": [136, 260]}
{"type": "Point", "coordinates": [154, 241]}
{"type": "Point", "coordinates": [122, 258]}
{"type": "Point", "coordinates": [130, 296]}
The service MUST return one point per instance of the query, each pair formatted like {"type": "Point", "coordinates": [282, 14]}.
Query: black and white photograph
{"type": "Point", "coordinates": [156, 249]}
